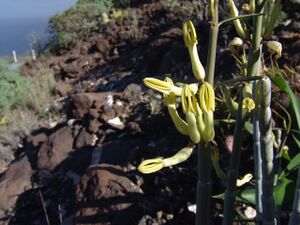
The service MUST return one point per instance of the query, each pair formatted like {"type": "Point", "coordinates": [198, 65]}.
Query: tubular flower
{"type": "Point", "coordinates": [237, 23]}
{"type": "Point", "coordinates": [190, 40]}
{"type": "Point", "coordinates": [162, 86]}
{"type": "Point", "coordinates": [170, 101]}
{"type": "Point", "coordinates": [245, 179]}
{"type": "Point", "coordinates": [248, 104]}
{"type": "Point", "coordinates": [275, 47]}
{"type": "Point", "coordinates": [188, 100]}
{"type": "Point", "coordinates": [209, 132]}
{"type": "Point", "coordinates": [154, 165]}
{"type": "Point", "coordinates": [207, 97]}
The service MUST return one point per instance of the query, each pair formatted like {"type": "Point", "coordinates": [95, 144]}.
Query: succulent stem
{"type": "Point", "coordinates": [295, 216]}
{"type": "Point", "coordinates": [233, 173]}
{"type": "Point", "coordinates": [203, 185]}
{"type": "Point", "coordinates": [265, 119]}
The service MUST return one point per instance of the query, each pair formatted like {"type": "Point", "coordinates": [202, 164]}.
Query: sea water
{"type": "Point", "coordinates": [24, 22]}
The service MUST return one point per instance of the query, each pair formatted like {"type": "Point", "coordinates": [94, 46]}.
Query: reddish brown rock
{"type": "Point", "coordinates": [105, 196]}
{"type": "Point", "coordinates": [83, 139]}
{"type": "Point", "coordinates": [84, 101]}
{"type": "Point", "coordinates": [14, 182]}
{"type": "Point", "coordinates": [63, 88]}
{"type": "Point", "coordinates": [56, 149]}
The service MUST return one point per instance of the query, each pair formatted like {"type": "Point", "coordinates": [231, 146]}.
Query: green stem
{"type": "Point", "coordinates": [212, 47]}
{"type": "Point", "coordinates": [295, 216]}
{"type": "Point", "coordinates": [265, 121]}
{"type": "Point", "coordinates": [257, 162]}
{"type": "Point", "coordinates": [233, 173]}
{"type": "Point", "coordinates": [254, 55]}
{"type": "Point", "coordinates": [203, 185]}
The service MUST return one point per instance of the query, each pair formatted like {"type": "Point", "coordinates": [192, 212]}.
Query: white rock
{"type": "Point", "coordinates": [116, 122]}
{"type": "Point", "coordinates": [109, 100]}
{"type": "Point", "coordinates": [192, 207]}
{"type": "Point", "coordinates": [52, 124]}
{"type": "Point", "coordinates": [70, 122]}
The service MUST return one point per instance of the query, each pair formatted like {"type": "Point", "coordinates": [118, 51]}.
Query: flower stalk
{"type": "Point", "coordinates": [233, 173]}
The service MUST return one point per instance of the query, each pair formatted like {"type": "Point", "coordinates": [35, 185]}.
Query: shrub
{"type": "Point", "coordinates": [13, 87]}
{"type": "Point", "coordinates": [80, 21]}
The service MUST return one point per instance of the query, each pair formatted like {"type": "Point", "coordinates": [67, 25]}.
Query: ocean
{"type": "Point", "coordinates": [22, 22]}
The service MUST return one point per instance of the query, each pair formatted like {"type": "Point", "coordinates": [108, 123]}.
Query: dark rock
{"type": "Point", "coordinates": [84, 101]}
{"type": "Point", "coordinates": [133, 92]}
{"type": "Point", "coordinates": [14, 182]}
{"type": "Point", "coordinates": [94, 126]}
{"type": "Point", "coordinates": [56, 149]}
{"type": "Point", "coordinates": [83, 139]}
{"type": "Point", "coordinates": [106, 196]}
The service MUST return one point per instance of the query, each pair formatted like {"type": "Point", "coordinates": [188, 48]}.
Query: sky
{"type": "Point", "coordinates": [32, 8]}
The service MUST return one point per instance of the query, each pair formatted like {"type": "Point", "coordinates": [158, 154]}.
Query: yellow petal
{"type": "Point", "coordinates": [189, 33]}
{"type": "Point", "coordinates": [151, 165]}
{"type": "Point", "coordinates": [207, 97]}
{"type": "Point", "coordinates": [162, 86]}
{"type": "Point", "coordinates": [248, 104]}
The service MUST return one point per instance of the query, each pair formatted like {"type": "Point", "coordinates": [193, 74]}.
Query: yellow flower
{"type": "Point", "coordinates": [207, 97]}
{"type": "Point", "coordinates": [188, 100]}
{"type": "Point", "coordinates": [248, 104]}
{"type": "Point", "coordinates": [151, 165]}
{"type": "Point", "coordinates": [154, 165]}
{"type": "Point", "coordinates": [190, 40]}
{"type": "Point", "coordinates": [245, 179]}
{"type": "Point", "coordinates": [162, 86]}
{"type": "Point", "coordinates": [189, 34]}
{"type": "Point", "coordinates": [275, 47]}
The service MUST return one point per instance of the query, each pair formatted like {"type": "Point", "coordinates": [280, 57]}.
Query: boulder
{"type": "Point", "coordinates": [56, 149]}
{"type": "Point", "coordinates": [106, 196]}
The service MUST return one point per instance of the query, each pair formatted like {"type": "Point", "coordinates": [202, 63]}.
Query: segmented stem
{"type": "Point", "coordinates": [257, 162]}
{"type": "Point", "coordinates": [295, 216]}
{"type": "Point", "coordinates": [233, 173]}
{"type": "Point", "coordinates": [265, 120]}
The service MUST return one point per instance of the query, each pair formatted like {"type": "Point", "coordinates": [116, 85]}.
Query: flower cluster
{"type": "Point", "coordinates": [197, 104]}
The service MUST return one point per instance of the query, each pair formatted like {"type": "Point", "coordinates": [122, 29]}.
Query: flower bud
{"type": "Point", "coordinates": [235, 44]}
{"type": "Point", "coordinates": [237, 23]}
{"type": "Point", "coordinates": [275, 47]}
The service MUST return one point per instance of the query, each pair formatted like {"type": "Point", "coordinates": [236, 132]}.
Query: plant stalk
{"type": "Point", "coordinates": [295, 215]}
{"type": "Point", "coordinates": [253, 70]}
{"type": "Point", "coordinates": [233, 173]}
{"type": "Point", "coordinates": [265, 121]}
{"type": "Point", "coordinates": [212, 46]}
{"type": "Point", "coordinates": [257, 161]}
{"type": "Point", "coordinates": [203, 185]}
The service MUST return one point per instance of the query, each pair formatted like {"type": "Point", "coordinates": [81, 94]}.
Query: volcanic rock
{"type": "Point", "coordinates": [106, 196]}
{"type": "Point", "coordinates": [56, 149]}
{"type": "Point", "coordinates": [14, 182]}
